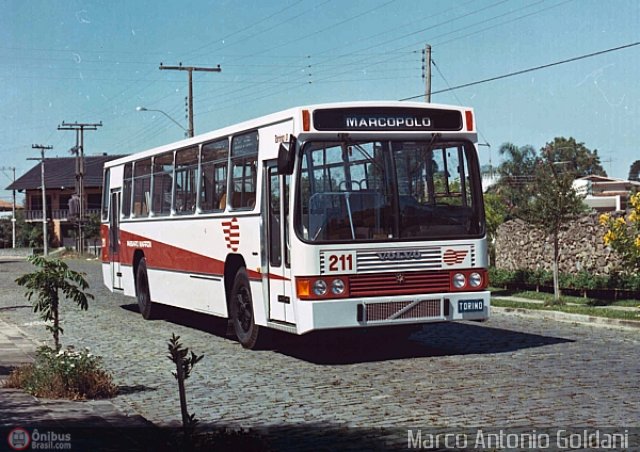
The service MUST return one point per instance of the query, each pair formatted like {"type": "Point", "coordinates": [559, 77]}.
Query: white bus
{"type": "Point", "coordinates": [341, 215]}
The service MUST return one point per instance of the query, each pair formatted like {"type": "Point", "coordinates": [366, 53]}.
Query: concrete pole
{"type": "Point", "coordinates": [13, 212]}
{"type": "Point", "coordinates": [427, 66]}
{"type": "Point", "coordinates": [45, 234]}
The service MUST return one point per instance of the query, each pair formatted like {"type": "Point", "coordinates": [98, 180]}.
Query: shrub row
{"type": "Point", "coordinates": [581, 281]}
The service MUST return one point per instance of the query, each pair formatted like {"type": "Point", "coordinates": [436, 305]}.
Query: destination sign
{"type": "Point", "coordinates": [387, 118]}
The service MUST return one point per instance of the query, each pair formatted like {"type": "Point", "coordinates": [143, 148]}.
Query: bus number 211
{"type": "Point", "coordinates": [342, 263]}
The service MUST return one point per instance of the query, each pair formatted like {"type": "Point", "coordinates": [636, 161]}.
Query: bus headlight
{"type": "Point", "coordinates": [475, 279]}
{"type": "Point", "coordinates": [319, 287]}
{"type": "Point", "coordinates": [322, 287]}
{"type": "Point", "coordinates": [459, 281]}
{"type": "Point", "coordinates": [338, 287]}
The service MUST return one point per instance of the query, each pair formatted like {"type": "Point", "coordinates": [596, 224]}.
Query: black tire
{"type": "Point", "coordinates": [145, 304]}
{"type": "Point", "coordinates": [241, 310]}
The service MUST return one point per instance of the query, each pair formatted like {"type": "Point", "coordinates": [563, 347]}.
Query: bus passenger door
{"type": "Point", "coordinates": [114, 241]}
{"type": "Point", "coordinates": [275, 218]}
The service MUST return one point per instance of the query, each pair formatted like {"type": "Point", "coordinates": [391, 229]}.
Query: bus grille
{"type": "Point", "coordinates": [369, 260]}
{"type": "Point", "coordinates": [396, 310]}
{"type": "Point", "coordinates": [387, 284]}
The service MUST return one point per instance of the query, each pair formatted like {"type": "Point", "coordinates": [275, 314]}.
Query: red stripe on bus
{"type": "Point", "coordinates": [163, 256]}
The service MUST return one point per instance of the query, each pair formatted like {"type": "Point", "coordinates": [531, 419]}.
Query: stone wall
{"type": "Point", "coordinates": [520, 246]}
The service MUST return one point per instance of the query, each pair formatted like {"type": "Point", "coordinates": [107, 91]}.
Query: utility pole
{"type": "Point", "coordinates": [13, 208]}
{"type": "Point", "coordinates": [45, 235]}
{"type": "Point", "coordinates": [426, 74]}
{"type": "Point", "coordinates": [190, 69]}
{"type": "Point", "coordinates": [78, 150]}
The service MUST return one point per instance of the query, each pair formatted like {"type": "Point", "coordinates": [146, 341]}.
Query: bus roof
{"type": "Point", "coordinates": [293, 113]}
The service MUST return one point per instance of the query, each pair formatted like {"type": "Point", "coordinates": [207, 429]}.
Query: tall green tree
{"type": "Point", "coordinates": [634, 171]}
{"type": "Point", "coordinates": [554, 202]}
{"type": "Point", "coordinates": [495, 215]}
{"type": "Point", "coordinates": [583, 161]}
{"type": "Point", "coordinates": [515, 174]}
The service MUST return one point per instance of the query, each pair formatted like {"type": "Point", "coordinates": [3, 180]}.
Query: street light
{"type": "Point", "coordinates": [164, 113]}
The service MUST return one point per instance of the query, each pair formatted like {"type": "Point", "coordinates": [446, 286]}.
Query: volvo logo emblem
{"type": "Point", "coordinates": [400, 278]}
{"type": "Point", "coordinates": [400, 255]}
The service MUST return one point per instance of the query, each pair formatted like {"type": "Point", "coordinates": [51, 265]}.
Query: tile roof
{"type": "Point", "coordinates": [61, 172]}
{"type": "Point", "coordinates": [6, 206]}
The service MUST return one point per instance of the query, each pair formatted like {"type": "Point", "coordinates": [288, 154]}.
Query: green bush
{"type": "Point", "coordinates": [65, 374]}
{"type": "Point", "coordinates": [581, 281]}
{"type": "Point", "coordinates": [499, 277]}
{"type": "Point", "coordinates": [624, 281]}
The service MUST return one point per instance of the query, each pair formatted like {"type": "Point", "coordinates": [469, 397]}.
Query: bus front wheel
{"type": "Point", "coordinates": [241, 307]}
{"type": "Point", "coordinates": [142, 291]}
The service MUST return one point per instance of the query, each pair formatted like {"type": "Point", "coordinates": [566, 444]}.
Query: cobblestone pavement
{"type": "Point", "coordinates": [507, 372]}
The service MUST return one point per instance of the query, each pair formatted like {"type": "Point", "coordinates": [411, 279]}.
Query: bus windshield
{"type": "Point", "coordinates": [388, 190]}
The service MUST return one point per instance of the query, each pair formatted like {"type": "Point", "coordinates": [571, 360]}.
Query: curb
{"type": "Point", "coordinates": [569, 317]}
{"type": "Point", "coordinates": [18, 348]}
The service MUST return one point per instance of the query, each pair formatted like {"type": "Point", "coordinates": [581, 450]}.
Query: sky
{"type": "Point", "coordinates": [95, 61]}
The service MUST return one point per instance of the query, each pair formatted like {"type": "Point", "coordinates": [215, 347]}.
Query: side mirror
{"type": "Point", "coordinates": [287, 156]}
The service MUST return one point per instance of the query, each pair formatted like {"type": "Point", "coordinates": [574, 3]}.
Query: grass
{"type": "Point", "coordinates": [572, 308]}
{"type": "Point", "coordinates": [566, 299]}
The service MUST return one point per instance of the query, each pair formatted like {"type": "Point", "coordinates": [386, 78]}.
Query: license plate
{"type": "Point", "coordinates": [470, 305]}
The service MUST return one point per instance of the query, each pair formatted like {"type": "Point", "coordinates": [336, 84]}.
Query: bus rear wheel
{"type": "Point", "coordinates": [241, 307]}
{"type": "Point", "coordinates": [145, 304]}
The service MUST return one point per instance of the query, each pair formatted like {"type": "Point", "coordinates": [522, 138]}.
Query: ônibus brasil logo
{"type": "Point", "coordinates": [19, 439]}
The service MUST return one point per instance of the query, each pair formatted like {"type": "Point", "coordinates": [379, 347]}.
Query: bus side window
{"type": "Point", "coordinates": [106, 195]}
{"type": "Point", "coordinates": [244, 158]}
{"type": "Point", "coordinates": [186, 177]}
{"type": "Point", "coordinates": [213, 185]}
{"type": "Point", "coordinates": [126, 191]}
{"type": "Point", "coordinates": [162, 181]}
{"type": "Point", "coordinates": [141, 187]}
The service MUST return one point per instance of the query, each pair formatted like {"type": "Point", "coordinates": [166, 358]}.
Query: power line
{"type": "Point", "coordinates": [459, 101]}
{"type": "Point", "coordinates": [250, 26]}
{"type": "Point", "coordinates": [434, 44]}
{"type": "Point", "coordinates": [491, 27]}
{"type": "Point", "coordinates": [305, 80]}
{"type": "Point", "coordinates": [190, 70]}
{"type": "Point", "coordinates": [348, 19]}
{"type": "Point", "coordinates": [524, 71]}
{"type": "Point", "coordinates": [396, 57]}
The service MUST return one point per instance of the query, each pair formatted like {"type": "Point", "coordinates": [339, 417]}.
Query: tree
{"type": "Point", "coordinates": [92, 227]}
{"type": "Point", "coordinates": [54, 277]}
{"type": "Point", "coordinates": [6, 238]}
{"type": "Point", "coordinates": [29, 234]}
{"type": "Point", "coordinates": [584, 161]}
{"type": "Point", "coordinates": [554, 202]}
{"type": "Point", "coordinates": [495, 214]}
{"type": "Point", "coordinates": [515, 175]}
{"type": "Point", "coordinates": [634, 171]}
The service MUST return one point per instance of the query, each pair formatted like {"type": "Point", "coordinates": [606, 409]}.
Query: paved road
{"type": "Point", "coordinates": [505, 373]}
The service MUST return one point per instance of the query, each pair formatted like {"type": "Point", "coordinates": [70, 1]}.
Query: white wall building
{"type": "Point", "coordinates": [605, 194]}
